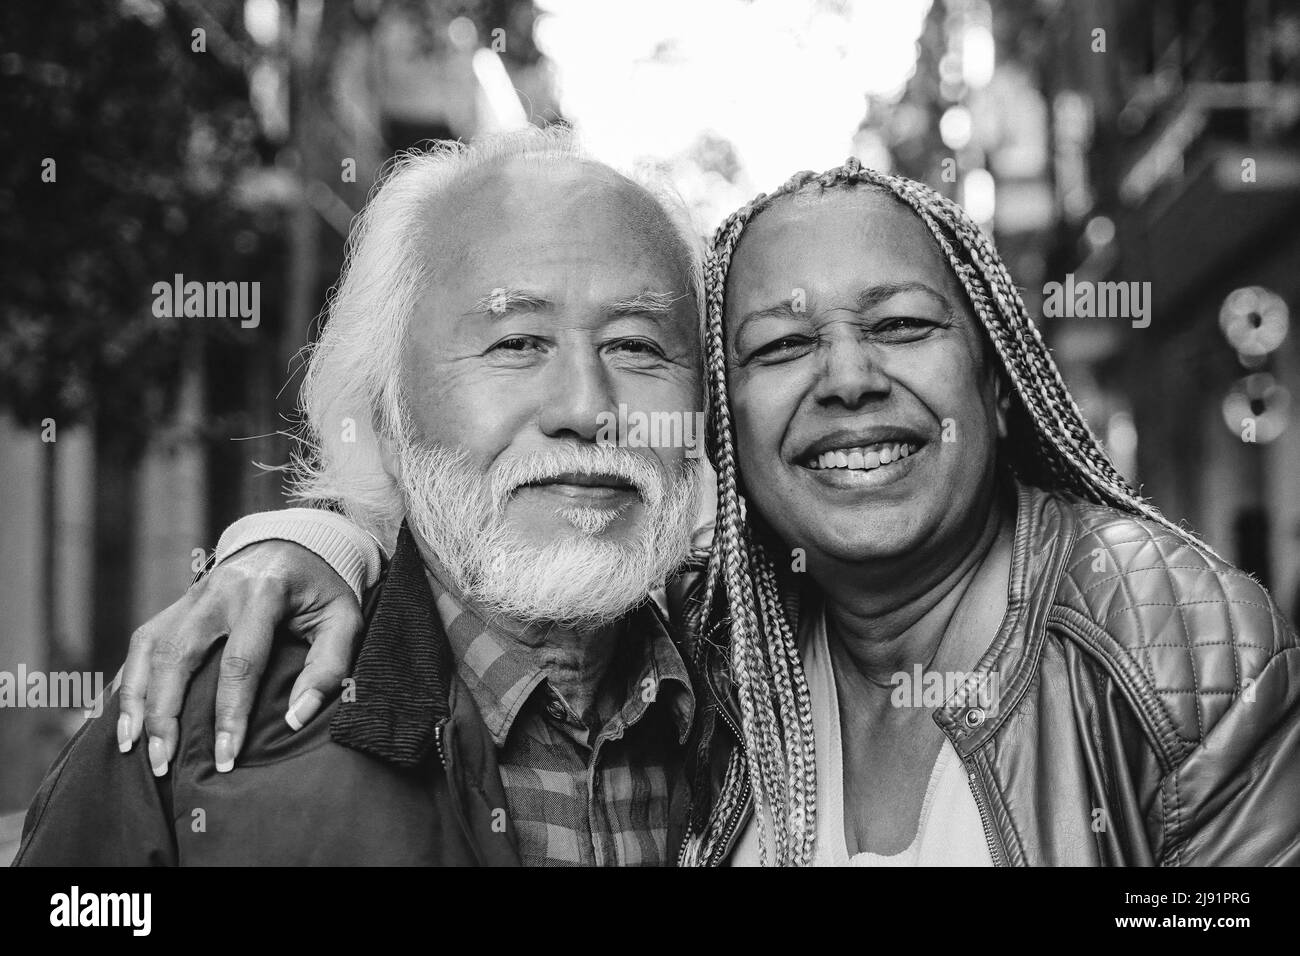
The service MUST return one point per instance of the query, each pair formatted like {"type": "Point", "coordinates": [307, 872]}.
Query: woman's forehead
{"type": "Point", "coordinates": [832, 236]}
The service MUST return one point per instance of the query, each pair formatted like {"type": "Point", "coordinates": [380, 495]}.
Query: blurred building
{"type": "Point", "coordinates": [1191, 122]}
{"type": "Point", "coordinates": [1155, 143]}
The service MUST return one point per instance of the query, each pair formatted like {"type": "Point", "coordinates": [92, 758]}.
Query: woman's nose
{"type": "Point", "coordinates": [852, 373]}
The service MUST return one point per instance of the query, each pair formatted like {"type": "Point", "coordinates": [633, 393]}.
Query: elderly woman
{"type": "Point", "coordinates": [909, 500]}
{"type": "Point", "coordinates": [1129, 698]}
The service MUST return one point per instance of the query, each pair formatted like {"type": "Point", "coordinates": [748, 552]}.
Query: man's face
{"type": "Point", "coordinates": [867, 419]}
{"type": "Point", "coordinates": [560, 297]}
{"type": "Point", "coordinates": [563, 296]}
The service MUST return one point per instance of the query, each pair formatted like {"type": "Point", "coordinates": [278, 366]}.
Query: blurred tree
{"type": "Point", "coordinates": [146, 137]}
{"type": "Point", "coordinates": [124, 132]}
{"type": "Point", "coordinates": [121, 144]}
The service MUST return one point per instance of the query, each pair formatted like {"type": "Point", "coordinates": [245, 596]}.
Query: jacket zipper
{"type": "Point", "coordinates": [437, 739]}
{"type": "Point", "coordinates": [733, 825]}
{"type": "Point", "coordinates": [738, 814]}
{"type": "Point", "coordinates": [453, 794]}
{"type": "Point", "coordinates": [977, 789]}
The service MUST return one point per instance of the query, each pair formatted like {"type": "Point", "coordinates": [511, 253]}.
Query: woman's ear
{"type": "Point", "coordinates": [1002, 399]}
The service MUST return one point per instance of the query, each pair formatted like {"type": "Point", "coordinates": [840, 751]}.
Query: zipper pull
{"type": "Point", "coordinates": [437, 739]}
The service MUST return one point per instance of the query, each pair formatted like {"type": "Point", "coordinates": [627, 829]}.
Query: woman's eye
{"type": "Point", "coordinates": [784, 347]}
{"type": "Point", "coordinates": [902, 327]}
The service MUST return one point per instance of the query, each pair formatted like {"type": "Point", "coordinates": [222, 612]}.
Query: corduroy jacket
{"type": "Point", "coordinates": [397, 770]}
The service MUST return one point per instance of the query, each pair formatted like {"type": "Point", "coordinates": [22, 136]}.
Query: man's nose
{"type": "Point", "coordinates": [852, 373]}
{"type": "Point", "coordinates": [578, 390]}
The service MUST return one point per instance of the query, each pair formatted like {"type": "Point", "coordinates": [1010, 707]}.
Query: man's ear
{"type": "Point", "coordinates": [388, 455]}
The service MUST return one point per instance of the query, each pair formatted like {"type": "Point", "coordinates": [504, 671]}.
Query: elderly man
{"type": "Point", "coordinates": [517, 697]}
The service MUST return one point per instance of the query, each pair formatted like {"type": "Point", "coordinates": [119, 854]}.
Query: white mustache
{"type": "Point", "coordinates": [577, 580]}
{"type": "Point", "coordinates": [509, 475]}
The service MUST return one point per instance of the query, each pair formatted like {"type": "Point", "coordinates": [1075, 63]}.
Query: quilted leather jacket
{"type": "Point", "coordinates": [1146, 709]}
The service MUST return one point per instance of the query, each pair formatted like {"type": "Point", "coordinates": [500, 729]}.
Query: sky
{"type": "Point", "coordinates": [785, 82]}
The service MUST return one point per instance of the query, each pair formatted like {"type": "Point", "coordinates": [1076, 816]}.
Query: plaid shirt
{"type": "Point", "coordinates": [580, 794]}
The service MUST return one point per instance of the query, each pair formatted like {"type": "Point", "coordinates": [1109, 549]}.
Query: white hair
{"type": "Point", "coordinates": [352, 393]}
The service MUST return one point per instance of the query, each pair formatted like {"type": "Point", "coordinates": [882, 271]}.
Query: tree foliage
{"type": "Point", "coordinates": [146, 137]}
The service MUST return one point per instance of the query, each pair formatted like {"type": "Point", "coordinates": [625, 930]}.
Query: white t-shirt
{"type": "Point", "coordinates": [949, 832]}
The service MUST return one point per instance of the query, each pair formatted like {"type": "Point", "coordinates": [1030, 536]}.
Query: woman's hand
{"type": "Point", "coordinates": [246, 596]}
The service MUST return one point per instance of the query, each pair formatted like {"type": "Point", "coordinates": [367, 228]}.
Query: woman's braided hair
{"type": "Point", "coordinates": [1049, 444]}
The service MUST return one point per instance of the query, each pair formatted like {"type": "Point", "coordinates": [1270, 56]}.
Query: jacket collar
{"type": "Point", "coordinates": [399, 689]}
{"type": "Point", "coordinates": [1043, 537]}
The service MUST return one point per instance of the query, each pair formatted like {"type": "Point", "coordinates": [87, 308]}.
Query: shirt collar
{"type": "Point", "coordinates": [502, 676]}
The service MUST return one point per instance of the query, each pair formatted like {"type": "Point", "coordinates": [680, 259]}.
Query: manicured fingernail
{"type": "Point", "coordinates": [225, 752]}
{"type": "Point", "coordinates": [157, 756]}
{"type": "Point", "coordinates": [303, 709]}
{"type": "Point", "coordinates": [124, 733]}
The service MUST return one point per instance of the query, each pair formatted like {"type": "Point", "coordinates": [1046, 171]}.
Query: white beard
{"type": "Point", "coordinates": [580, 580]}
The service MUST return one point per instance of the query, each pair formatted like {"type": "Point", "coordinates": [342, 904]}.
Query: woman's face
{"type": "Point", "coordinates": [867, 418]}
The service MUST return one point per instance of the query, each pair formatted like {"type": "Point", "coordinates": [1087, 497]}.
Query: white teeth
{"type": "Point", "coordinates": [862, 458]}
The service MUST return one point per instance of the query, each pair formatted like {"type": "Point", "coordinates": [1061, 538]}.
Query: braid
{"type": "Point", "coordinates": [1050, 444]}
{"type": "Point", "coordinates": [763, 656]}
{"type": "Point", "coordinates": [795, 703]}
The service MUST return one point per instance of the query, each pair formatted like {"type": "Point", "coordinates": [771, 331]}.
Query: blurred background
{"type": "Point", "coordinates": [233, 140]}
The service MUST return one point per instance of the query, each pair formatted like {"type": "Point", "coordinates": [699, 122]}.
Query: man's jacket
{"type": "Point", "coordinates": [399, 769]}
{"type": "Point", "coordinates": [1146, 709]}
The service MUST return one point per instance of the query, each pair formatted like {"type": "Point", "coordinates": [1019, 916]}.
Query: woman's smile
{"type": "Point", "coordinates": [867, 466]}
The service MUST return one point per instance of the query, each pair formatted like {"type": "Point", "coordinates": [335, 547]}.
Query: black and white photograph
{"type": "Point", "coordinates": [651, 433]}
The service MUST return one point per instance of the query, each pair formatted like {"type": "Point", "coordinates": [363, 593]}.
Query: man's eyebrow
{"type": "Point", "coordinates": [647, 303]}
{"type": "Point", "coordinates": [503, 301]}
